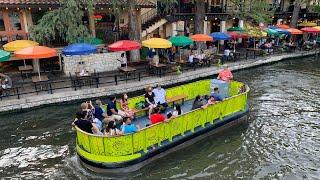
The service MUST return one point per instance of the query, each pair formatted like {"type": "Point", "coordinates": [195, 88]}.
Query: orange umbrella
{"type": "Point", "coordinates": [201, 38]}
{"type": "Point", "coordinates": [283, 26]}
{"type": "Point", "coordinates": [294, 31]}
{"type": "Point", "coordinates": [36, 52]}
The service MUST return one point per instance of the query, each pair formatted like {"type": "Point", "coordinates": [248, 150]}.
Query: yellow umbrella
{"type": "Point", "coordinates": [19, 44]}
{"type": "Point", "coordinates": [317, 27]}
{"type": "Point", "coordinates": [307, 24]}
{"type": "Point", "coordinates": [157, 43]}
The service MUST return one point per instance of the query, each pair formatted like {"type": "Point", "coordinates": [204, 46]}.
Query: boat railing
{"type": "Point", "coordinates": [131, 146]}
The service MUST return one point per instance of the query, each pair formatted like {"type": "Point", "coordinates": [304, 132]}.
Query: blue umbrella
{"type": "Point", "coordinates": [272, 27]}
{"type": "Point", "coordinates": [282, 31]}
{"type": "Point", "coordinates": [220, 36]}
{"type": "Point", "coordinates": [79, 49]}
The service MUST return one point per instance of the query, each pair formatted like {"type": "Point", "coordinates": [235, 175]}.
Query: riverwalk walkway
{"type": "Point", "coordinates": [65, 95]}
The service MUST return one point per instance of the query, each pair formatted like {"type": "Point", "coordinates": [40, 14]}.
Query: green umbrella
{"type": "Point", "coordinates": [272, 32]}
{"type": "Point", "coordinates": [180, 41]}
{"type": "Point", "coordinates": [4, 56]}
{"type": "Point", "coordinates": [235, 28]}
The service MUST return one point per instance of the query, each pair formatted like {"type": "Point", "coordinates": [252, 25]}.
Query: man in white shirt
{"type": "Point", "coordinates": [160, 96]}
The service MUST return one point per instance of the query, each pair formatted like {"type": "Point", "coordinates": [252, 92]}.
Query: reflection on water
{"type": "Point", "coordinates": [281, 139]}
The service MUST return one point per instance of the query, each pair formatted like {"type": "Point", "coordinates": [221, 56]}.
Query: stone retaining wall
{"type": "Point", "coordinates": [38, 100]}
{"type": "Point", "coordinates": [103, 62]}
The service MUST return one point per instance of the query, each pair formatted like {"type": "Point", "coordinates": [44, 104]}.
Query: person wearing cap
{"type": "Point", "coordinates": [225, 74]}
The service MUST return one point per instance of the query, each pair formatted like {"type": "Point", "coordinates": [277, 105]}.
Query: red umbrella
{"type": "Point", "coordinates": [124, 45]}
{"type": "Point", "coordinates": [237, 35]}
{"type": "Point", "coordinates": [310, 30]}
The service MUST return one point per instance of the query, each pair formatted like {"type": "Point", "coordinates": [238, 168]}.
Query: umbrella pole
{"type": "Point", "coordinates": [218, 48]}
{"type": "Point", "coordinates": [24, 62]}
{"type": "Point", "coordinates": [39, 69]}
{"type": "Point", "coordinates": [180, 52]}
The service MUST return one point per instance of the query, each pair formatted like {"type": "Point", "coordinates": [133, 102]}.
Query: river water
{"type": "Point", "coordinates": [280, 141]}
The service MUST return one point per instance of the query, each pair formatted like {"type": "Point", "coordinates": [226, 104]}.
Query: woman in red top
{"type": "Point", "coordinates": [225, 74]}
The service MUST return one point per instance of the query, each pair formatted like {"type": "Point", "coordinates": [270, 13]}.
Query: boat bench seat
{"type": "Point", "coordinates": [170, 100]}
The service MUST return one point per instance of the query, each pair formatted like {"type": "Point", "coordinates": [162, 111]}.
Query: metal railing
{"type": "Point", "coordinates": [149, 15]}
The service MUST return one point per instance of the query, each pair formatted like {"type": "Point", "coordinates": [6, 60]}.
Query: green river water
{"type": "Point", "coordinates": [280, 141]}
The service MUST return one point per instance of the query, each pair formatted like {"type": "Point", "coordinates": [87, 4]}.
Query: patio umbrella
{"type": "Point", "coordinates": [124, 45]}
{"type": "Point", "coordinates": [317, 27]}
{"type": "Point", "coordinates": [220, 36]}
{"type": "Point", "coordinates": [237, 34]}
{"type": "Point", "coordinates": [235, 28]}
{"type": "Point", "coordinates": [19, 44]}
{"type": "Point", "coordinates": [310, 30]}
{"type": "Point", "coordinates": [36, 52]}
{"type": "Point", "coordinates": [272, 32]}
{"type": "Point", "coordinates": [201, 38]}
{"type": "Point", "coordinates": [283, 26]}
{"type": "Point", "coordinates": [308, 24]}
{"type": "Point", "coordinates": [157, 43]}
{"type": "Point", "coordinates": [79, 49]}
{"type": "Point", "coordinates": [180, 41]}
{"type": "Point", "coordinates": [272, 27]}
{"type": "Point", "coordinates": [4, 56]}
{"type": "Point", "coordinates": [294, 31]}
{"type": "Point", "coordinates": [282, 31]}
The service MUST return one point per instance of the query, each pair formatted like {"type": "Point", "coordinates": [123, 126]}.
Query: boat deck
{"type": "Point", "coordinates": [142, 121]}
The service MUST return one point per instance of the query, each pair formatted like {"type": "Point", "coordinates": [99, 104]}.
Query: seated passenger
{"type": "Point", "coordinates": [149, 99]}
{"type": "Point", "coordinates": [156, 117]}
{"type": "Point", "coordinates": [177, 111]}
{"type": "Point", "coordinates": [211, 101]}
{"type": "Point", "coordinates": [197, 103]}
{"type": "Point", "coordinates": [111, 129]}
{"type": "Point", "coordinates": [225, 74]}
{"type": "Point", "coordinates": [113, 111]}
{"type": "Point", "coordinates": [90, 111]}
{"type": "Point", "coordinates": [127, 127]}
{"type": "Point", "coordinates": [216, 95]}
{"type": "Point", "coordinates": [125, 108]}
{"type": "Point", "coordinates": [84, 124]}
{"type": "Point", "coordinates": [160, 96]}
{"type": "Point", "coordinates": [99, 113]}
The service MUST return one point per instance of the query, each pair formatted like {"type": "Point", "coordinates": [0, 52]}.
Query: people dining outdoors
{"type": "Point", "coordinates": [122, 59]}
{"type": "Point", "coordinates": [226, 55]}
{"type": "Point", "coordinates": [160, 97]}
{"type": "Point", "coordinates": [191, 59]}
{"type": "Point", "coordinates": [124, 107]}
{"type": "Point", "coordinates": [225, 74]}
{"type": "Point", "coordinates": [149, 99]}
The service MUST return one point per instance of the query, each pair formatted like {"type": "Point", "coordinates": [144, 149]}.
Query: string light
{"type": "Point", "coordinates": [29, 8]}
{"type": "Point", "coordinates": [7, 8]}
{"type": "Point", "coordinates": [39, 9]}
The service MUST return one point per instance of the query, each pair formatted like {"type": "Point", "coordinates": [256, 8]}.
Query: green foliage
{"type": "Point", "coordinates": [65, 22]}
{"type": "Point", "coordinates": [316, 8]}
{"type": "Point", "coordinates": [253, 10]}
{"type": "Point", "coordinates": [168, 4]}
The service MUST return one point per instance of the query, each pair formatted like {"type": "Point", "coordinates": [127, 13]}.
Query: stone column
{"type": "Point", "coordinates": [25, 21]}
{"type": "Point", "coordinates": [205, 27]}
{"type": "Point", "coordinates": [174, 29]}
{"type": "Point", "coordinates": [279, 21]}
{"type": "Point", "coordinates": [222, 29]}
{"type": "Point", "coordinates": [241, 24]}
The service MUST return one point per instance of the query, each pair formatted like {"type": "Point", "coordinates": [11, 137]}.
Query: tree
{"type": "Point", "coordinates": [199, 16]}
{"type": "Point", "coordinates": [296, 11]}
{"type": "Point", "coordinates": [254, 11]}
{"type": "Point", "coordinates": [65, 22]}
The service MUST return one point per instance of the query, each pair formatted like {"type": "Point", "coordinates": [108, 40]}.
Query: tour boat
{"type": "Point", "coordinates": [128, 153]}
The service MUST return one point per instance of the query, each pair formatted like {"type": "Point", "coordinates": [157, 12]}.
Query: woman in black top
{"type": "Point", "coordinates": [149, 99]}
{"type": "Point", "coordinates": [85, 125]}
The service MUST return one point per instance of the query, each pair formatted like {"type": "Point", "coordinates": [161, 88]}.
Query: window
{"type": "Point", "coordinates": [14, 18]}
{"type": "Point", "coordinates": [2, 27]}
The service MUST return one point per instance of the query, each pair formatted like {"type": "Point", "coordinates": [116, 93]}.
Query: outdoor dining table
{"type": "Point", "coordinates": [159, 68]}
{"type": "Point", "coordinates": [41, 81]}
{"type": "Point", "coordinates": [254, 50]}
{"type": "Point", "coordinates": [25, 70]}
{"type": "Point", "coordinates": [83, 79]}
{"type": "Point", "coordinates": [127, 71]}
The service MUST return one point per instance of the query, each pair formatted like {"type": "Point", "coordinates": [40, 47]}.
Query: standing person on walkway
{"type": "Point", "coordinates": [225, 74]}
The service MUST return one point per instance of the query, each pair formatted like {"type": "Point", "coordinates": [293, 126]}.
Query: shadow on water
{"type": "Point", "coordinates": [281, 139]}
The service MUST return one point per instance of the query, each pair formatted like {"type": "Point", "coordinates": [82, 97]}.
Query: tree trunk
{"type": "Point", "coordinates": [199, 16]}
{"type": "Point", "coordinates": [295, 14]}
{"type": "Point", "coordinates": [134, 28]}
